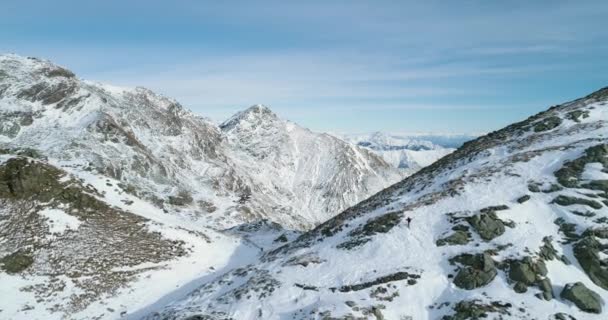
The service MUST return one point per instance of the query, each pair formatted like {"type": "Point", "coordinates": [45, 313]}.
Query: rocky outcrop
{"type": "Point", "coordinates": [475, 309]}
{"type": "Point", "coordinates": [459, 237]}
{"type": "Point", "coordinates": [478, 270]}
{"type": "Point", "coordinates": [584, 298]}
{"type": "Point", "coordinates": [587, 253]}
{"type": "Point", "coordinates": [487, 225]}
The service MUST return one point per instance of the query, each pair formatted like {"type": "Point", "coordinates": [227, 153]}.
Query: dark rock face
{"type": "Point", "coordinates": [520, 287]}
{"type": "Point", "coordinates": [23, 179]}
{"type": "Point", "coordinates": [570, 174]}
{"type": "Point", "coordinates": [48, 94]}
{"type": "Point", "coordinates": [16, 262]}
{"type": "Point", "coordinates": [459, 237]}
{"type": "Point", "coordinates": [487, 225]}
{"type": "Point", "coordinates": [577, 114]}
{"type": "Point", "coordinates": [547, 124]}
{"type": "Point", "coordinates": [474, 309]}
{"type": "Point", "coordinates": [584, 298]}
{"type": "Point", "coordinates": [546, 289]}
{"type": "Point", "coordinates": [182, 198]}
{"type": "Point", "coordinates": [568, 201]}
{"type": "Point", "coordinates": [363, 234]}
{"type": "Point", "coordinates": [478, 270]}
{"type": "Point", "coordinates": [523, 199]}
{"type": "Point", "coordinates": [587, 252]}
{"type": "Point", "coordinates": [527, 270]}
{"type": "Point", "coordinates": [398, 276]}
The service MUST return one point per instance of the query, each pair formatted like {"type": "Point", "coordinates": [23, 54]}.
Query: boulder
{"type": "Point", "coordinates": [520, 287]}
{"type": "Point", "coordinates": [527, 270]}
{"type": "Point", "coordinates": [478, 271]}
{"type": "Point", "coordinates": [16, 262]}
{"type": "Point", "coordinates": [587, 252]}
{"type": "Point", "coordinates": [474, 309]}
{"type": "Point", "coordinates": [546, 289]}
{"type": "Point", "coordinates": [523, 199]}
{"type": "Point", "coordinates": [487, 225]}
{"type": "Point", "coordinates": [584, 298]}
{"type": "Point", "coordinates": [568, 201]}
{"type": "Point", "coordinates": [457, 238]}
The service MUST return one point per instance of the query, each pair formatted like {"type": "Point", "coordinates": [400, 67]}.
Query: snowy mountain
{"type": "Point", "coordinates": [512, 225]}
{"type": "Point", "coordinates": [114, 200]}
{"type": "Point", "coordinates": [408, 152]}
{"type": "Point", "coordinates": [317, 173]}
{"type": "Point", "coordinates": [180, 161]}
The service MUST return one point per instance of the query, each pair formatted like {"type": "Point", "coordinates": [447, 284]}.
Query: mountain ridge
{"type": "Point", "coordinates": [479, 244]}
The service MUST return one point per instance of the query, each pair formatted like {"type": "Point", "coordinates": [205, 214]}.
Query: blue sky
{"type": "Point", "coordinates": [342, 66]}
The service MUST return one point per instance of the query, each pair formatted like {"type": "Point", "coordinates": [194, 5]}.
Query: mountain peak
{"type": "Point", "coordinates": [254, 114]}
{"type": "Point", "coordinates": [16, 64]}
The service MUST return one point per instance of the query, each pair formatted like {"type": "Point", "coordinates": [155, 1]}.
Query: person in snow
{"type": "Point", "coordinates": [408, 220]}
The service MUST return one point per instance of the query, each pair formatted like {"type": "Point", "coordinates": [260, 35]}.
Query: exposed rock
{"type": "Point", "coordinates": [577, 114]}
{"type": "Point", "coordinates": [183, 198]}
{"type": "Point", "coordinates": [523, 198]}
{"type": "Point", "coordinates": [546, 289]}
{"type": "Point", "coordinates": [281, 238]}
{"type": "Point", "coordinates": [479, 270]}
{"type": "Point", "coordinates": [587, 253]}
{"type": "Point", "coordinates": [547, 124]}
{"type": "Point", "coordinates": [362, 234]}
{"type": "Point", "coordinates": [569, 175]}
{"type": "Point", "coordinates": [584, 298]}
{"type": "Point", "coordinates": [487, 225]}
{"type": "Point", "coordinates": [474, 310]}
{"type": "Point", "coordinates": [398, 276]}
{"type": "Point", "coordinates": [547, 251]}
{"type": "Point", "coordinates": [457, 238]}
{"type": "Point", "coordinates": [16, 262]}
{"type": "Point", "coordinates": [568, 201]}
{"type": "Point", "coordinates": [520, 287]}
{"type": "Point", "coordinates": [563, 316]}
{"type": "Point", "coordinates": [568, 229]}
{"type": "Point", "coordinates": [494, 208]}
{"type": "Point", "coordinates": [527, 270]}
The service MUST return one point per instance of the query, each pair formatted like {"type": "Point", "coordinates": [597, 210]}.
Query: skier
{"type": "Point", "coordinates": [409, 220]}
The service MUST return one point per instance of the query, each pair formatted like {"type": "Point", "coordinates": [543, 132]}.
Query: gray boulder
{"type": "Point", "coordinates": [478, 271]}
{"type": "Point", "coordinates": [583, 297]}
{"type": "Point", "coordinates": [487, 225]}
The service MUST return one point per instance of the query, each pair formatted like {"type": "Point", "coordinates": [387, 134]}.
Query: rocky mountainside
{"type": "Point", "coordinates": [164, 153]}
{"type": "Point", "coordinates": [512, 225]}
{"type": "Point", "coordinates": [317, 172]}
{"type": "Point", "coordinates": [116, 200]}
{"type": "Point", "coordinates": [409, 153]}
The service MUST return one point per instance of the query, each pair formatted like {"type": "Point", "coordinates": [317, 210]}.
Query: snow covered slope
{"type": "Point", "coordinates": [183, 163]}
{"type": "Point", "coordinates": [512, 225]}
{"type": "Point", "coordinates": [113, 200]}
{"type": "Point", "coordinates": [75, 245]}
{"type": "Point", "coordinates": [408, 152]}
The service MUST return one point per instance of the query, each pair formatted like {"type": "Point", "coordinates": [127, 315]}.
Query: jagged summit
{"type": "Point", "coordinates": [253, 116]}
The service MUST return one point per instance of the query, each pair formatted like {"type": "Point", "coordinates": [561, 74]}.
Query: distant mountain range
{"type": "Point", "coordinates": [406, 151]}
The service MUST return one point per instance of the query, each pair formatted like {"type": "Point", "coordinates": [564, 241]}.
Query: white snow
{"type": "Point", "coordinates": [593, 171]}
{"type": "Point", "coordinates": [59, 221]}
